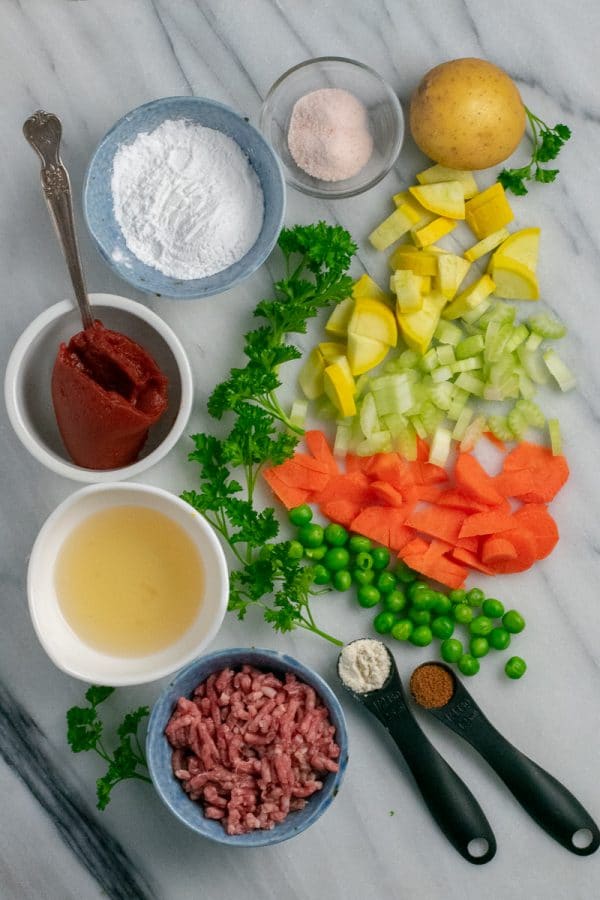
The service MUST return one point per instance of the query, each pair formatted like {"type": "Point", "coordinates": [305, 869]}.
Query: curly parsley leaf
{"type": "Point", "coordinates": [546, 145]}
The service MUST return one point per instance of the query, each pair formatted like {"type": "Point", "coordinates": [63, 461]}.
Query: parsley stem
{"type": "Point", "coordinates": [320, 632]}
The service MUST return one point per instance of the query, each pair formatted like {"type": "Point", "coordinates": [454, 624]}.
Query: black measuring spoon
{"type": "Point", "coordinates": [547, 801]}
{"type": "Point", "coordinates": [448, 799]}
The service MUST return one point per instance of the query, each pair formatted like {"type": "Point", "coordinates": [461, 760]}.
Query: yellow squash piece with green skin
{"type": "Point", "coordinates": [394, 227]}
{"type": "Point", "coordinates": [486, 245]}
{"type": "Point", "coordinates": [451, 272]}
{"type": "Point", "coordinates": [337, 323]}
{"type": "Point", "coordinates": [433, 232]}
{"type": "Point", "coordinates": [373, 319]}
{"type": "Point", "coordinates": [522, 246]}
{"type": "Point", "coordinates": [364, 353]}
{"type": "Point", "coordinates": [442, 173]}
{"type": "Point", "coordinates": [407, 286]}
{"type": "Point", "coordinates": [331, 350]}
{"type": "Point", "coordinates": [405, 198]}
{"type": "Point", "coordinates": [418, 327]}
{"type": "Point", "coordinates": [407, 257]}
{"type": "Point", "coordinates": [446, 198]}
{"type": "Point", "coordinates": [513, 280]}
{"type": "Point", "coordinates": [340, 387]}
{"type": "Point", "coordinates": [471, 297]}
{"type": "Point", "coordinates": [488, 211]}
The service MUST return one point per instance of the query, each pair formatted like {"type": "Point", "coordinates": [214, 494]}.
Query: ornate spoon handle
{"type": "Point", "coordinates": [43, 131]}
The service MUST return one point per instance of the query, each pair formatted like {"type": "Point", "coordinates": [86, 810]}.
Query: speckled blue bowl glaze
{"type": "Point", "coordinates": [98, 205]}
{"type": "Point", "coordinates": [159, 751]}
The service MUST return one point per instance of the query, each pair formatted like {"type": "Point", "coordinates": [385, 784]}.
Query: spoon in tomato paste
{"type": "Point", "coordinates": [106, 390]}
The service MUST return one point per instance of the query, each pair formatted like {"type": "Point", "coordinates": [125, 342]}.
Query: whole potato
{"type": "Point", "coordinates": [467, 114]}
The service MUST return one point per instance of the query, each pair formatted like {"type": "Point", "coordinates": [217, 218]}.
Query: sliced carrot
{"type": "Point", "coordinates": [342, 511]}
{"type": "Point", "coordinates": [430, 493]}
{"type": "Point", "coordinates": [391, 468]}
{"type": "Point", "coordinates": [524, 546]}
{"type": "Point", "coordinates": [440, 568]}
{"type": "Point", "coordinates": [418, 546]}
{"type": "Point", "coordinates": [316, 443]}
{"type": "Point", "coordinates": [470, 544]}
{"type": "Point", "coordinates": [373, 522]}
{"type": "Point", "coordinates": [427, 473]}
{"type": "Point", "coordinates": [289, 496]}
{"type": "Point", "coordinates": [472, 479]}
{"type": "Point", "coordinates": [400, 535]}
{"type": "Point", "coordinates": [458, 500]}
{"type": "Point", "coordinates": [486, 523]}
{"type": "Point", "coordinates": [515, 484]}
{"type": "Point", "coordinates": [353, 486]}
{"type": "Point", "coordinates": [495, 441]}
{"type": "Point", "coordinates": [540, 525]}
{"type": "Point", "coordinates": [353, 462]}
{"type": "Point", "coordinates": [497, 548]}
{"type": "Point", "coordinates": [303, 472]}
{"type": "Point", "coordinates": [468, 558]}
{"type": "Point", "coordinates": [550, 472]}
{"type": "Point", "coordinates": [440, 522]}
{"type": "Point", "coordinates": [387, 494]}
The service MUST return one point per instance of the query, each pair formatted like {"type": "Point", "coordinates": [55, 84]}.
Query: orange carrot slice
{"type": "Point", "coordinates": [515, 484]}
{"type": "Point", "coordinates": [472, 480]}
{"type": "Point", "coordinates": [341, 511]}
{"type": "Point", "coordinates": [550, 472]}
{"type": "Point", "coordinates": [486, 523]}
{"type": "Point", "coordinates": [497, 548]}
{"type": "Point", "coordinates": [387, 494]}
{"type": "Point", "coordinates": [289, 496]}
{"type": "Point", "coordinates": [470, 559]}
{"type": "Point", "coordinates": [353, 486]}
{"type": "Point", "coordinates": [427, 473]}
{"type": "Point", "coordinates": [524, 547]}
{"type": "Point", "coordinates": [458, 500]}
{"type": "Point", "coordinates": [373, 522]}
{"type": "Point", "coordinates": [320, 449]}
{"type": "Point", "coordinates": [440, 522]}
{"type": "Point", "coordinates": [536, 519]}
{"type": "Point", "coordinates": [495, 441]}
{"type": "Point", "coordinates": [440, 568]}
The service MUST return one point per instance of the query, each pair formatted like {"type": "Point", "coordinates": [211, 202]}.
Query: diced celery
{"type": "Point", "coordinates": [396, 396]}
{"type": "Point", "coordinates": [431, 417]}
{"type": "Point", "coordinates": [343, 439]}
{"type": "Point", "coordinates": [379, 442]}
{"type": "Point", "coordinates": [467, 365]}
{"type": "Point", "coordinates": [362, 385]}
{"type": "Point", "coordinates": [459, 399]}
{"type": "Point", "coordinates": [447, 333]}
{"type": "Point", "coordinates": [560, 372]}
{"type": "Point", "coordinates": [419, 427]}
{"type": "Point", "coordinates": [527, 388]}
{"type": "Point", "coordinates": [546, 326]}
{"type": "Point", "coordinates": [531, 413]}
{"type": "Point", "coordinates": [440, 446]}
{"type": "Point", "coordinates": [444, 373]}
{"type": "Point", "coordinates": [496, 346]}
{"type": "Point", "coordinates": [445, 355]}
{"type": "Point", "coordinates": [462, 423]}
{"type": "Point", "coordinates": [474, 314]}
{"type": "Point", "coordinates": [298, 413]}
{"type": "Point", "coordinates": [499, 428]}
{"type": "Point", "coordinates": [368, 417]}
{"type": "Point", "coordinates": [395, 424]}
{"type": "Point", "coordinates": [555, 437]}
{"type": "Point", "coordinates": [533, 364]}
{"type": "Point", "coordinates": [408, 359]}
{"type": "Point", "coordinates": [517, 422]}
{"type": "Point", "coordinates": [441, 394]}
{"type": "Point", "coordinates": [533, 341]}
{"type": "Point", "coordinates": [429, 361]}
{"type": "Point", "coordinates": [503, 390]}
{"type": "Point", "coordinates": [472, 434]}
{"type": "Point", "coordinates": [519, 336]}
{"type": "Point", "coordinates": [324, 409]}
{"type": "Point", "coordinates": [470, 383]}
{"type": "Point", "coordinates": [470, 346]}
{"type": "Point", "coordinates": [406, 442]}
{"type": "Point", "coordinates": [499, 312]}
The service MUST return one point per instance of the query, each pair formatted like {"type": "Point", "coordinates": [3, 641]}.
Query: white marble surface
{"type": "Point", "coordinates": [92, 60]}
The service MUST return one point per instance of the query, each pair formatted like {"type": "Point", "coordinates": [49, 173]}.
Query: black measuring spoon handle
{"type": "Point", "coordinates": [547, 801]}
{"type": "Point", "coordinates": [448, 799]}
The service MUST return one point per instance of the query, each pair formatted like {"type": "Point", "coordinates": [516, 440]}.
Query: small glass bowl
{"type": "Point", "coordinates": [386, 121]}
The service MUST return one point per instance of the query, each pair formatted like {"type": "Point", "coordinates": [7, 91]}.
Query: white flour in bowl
{"type": "Point", "coordinates": [187, 199]}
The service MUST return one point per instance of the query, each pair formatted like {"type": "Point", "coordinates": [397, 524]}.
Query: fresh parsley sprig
{"type": "Point", "coordinates": [317, 258]}
{"type": "Point", "coordinates": [85, 730]}
{"type": "Point", "coordinates": [547, 143]}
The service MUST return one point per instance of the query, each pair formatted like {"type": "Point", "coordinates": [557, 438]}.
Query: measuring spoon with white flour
{"type": "Point", "coordinates": [368, 671]}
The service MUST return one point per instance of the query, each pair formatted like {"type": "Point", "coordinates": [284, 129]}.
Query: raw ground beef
{"type": "Point", "coordinates": [250, 747]}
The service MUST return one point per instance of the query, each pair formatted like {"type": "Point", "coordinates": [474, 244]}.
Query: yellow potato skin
{"type": "Point", "coordinates": [467, 114]}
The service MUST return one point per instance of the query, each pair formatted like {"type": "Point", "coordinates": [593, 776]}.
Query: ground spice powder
{"type": "Point", "coordinates": [431, 686]}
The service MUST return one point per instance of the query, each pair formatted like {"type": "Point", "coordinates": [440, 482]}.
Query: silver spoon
{"type": "Point", "coordinates": [43, 131]}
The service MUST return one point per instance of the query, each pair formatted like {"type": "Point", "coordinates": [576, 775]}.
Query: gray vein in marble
{"type": "Point", "coordinates": [25, 749]}
{"type": "Point", "coordinates": [170, 45]}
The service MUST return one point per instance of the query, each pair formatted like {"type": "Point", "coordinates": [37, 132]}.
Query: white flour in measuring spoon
{"type": "Point", "coordinates": [187, 199]}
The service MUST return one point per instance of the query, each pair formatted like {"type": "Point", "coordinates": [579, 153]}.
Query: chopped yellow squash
{"type": "Point", "coordinates": [331, 350]}
{"type": "Point", "coordinates": [365, 286]}
{"type": "Point", "coordinates": [311, 375]}
{"type": "Point", "coordinates": [446, 198]}
{"type": "Point", "coordinates": [486, 245]}
{"type": "Point", "coordinates": [407, 257]}
{"type": "Point", "coordinates": [407, 287]}
{"type": "Point", "coordinates": [364, 353]}
{"type": "Point", "coordinates": [451, 272]}
{"type": "Point", "coordinates": [340, 387]}
{"type": "Point", "coordinates": [418, 327]}
{"type": "Point", "coordinates": [392, 228]}
{"type": "Point", "coordinates": [513, 280]}
{"type": "Point", "coordinates": [437, 173]}
{"type": "Point", "coordinates": [373, 319]}
{"type": "Point", "coordinates": [471, 297]}
{"type": "Point", "coordinates": [522, 246]}
{"type": "Point", "coordinates": [337, 323]}
{"type": "Point", "coordinates": [488, 211]}
{"type": "Point", "coordinates": [433, 232]}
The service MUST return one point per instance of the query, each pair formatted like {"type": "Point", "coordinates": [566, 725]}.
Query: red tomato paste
{"type": "Point", "coordinates": [107, 392]}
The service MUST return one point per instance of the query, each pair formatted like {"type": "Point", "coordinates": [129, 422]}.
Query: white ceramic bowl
{"type": "Point", "coordinates": [27, 383]}
{"type": "Point", "coordinates": [62, 644]}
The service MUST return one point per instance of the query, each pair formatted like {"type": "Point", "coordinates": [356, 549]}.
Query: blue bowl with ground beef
{"type": "Point", "coordinates": [280, 775]}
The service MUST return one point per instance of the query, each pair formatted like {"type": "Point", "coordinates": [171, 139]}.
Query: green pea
{"type": "Point", "coordinates": [462, 613]}
{"type": "Point", "coordinates": [442, 627]}
{"type": "Point", "coordinates": [419, 616]}
{"type": "Point", "coordinates": [336, 558]}
{"type": "Point", "coordinates": [363, 576]}
{"type": "Point", "coordinates": [451, 650]}
{"type": "Point", "coordinates": [479, 646]}
{"type": "Point", "coordinates": [300, 515]}
{"type": "Point", "coordinates": [359, 544]}
{"type": "Point", "coordinates": [315, 553]}
{"type": "Point", "coordinates": [468, 665]}
{"type": "Point", "coordinates": [499, 638]}
{"type": "Point", "coordinates": [364, 560]}
{"type": "Point", "coordinates": [342, 580]}
{"type": "Point", "coordinates": [404, 573]}
{"type": "Point", "coordinates": [295, 550]}
{"type": "Point", "coordinates": [457, 595]}
{"type": "Point", "coordinates": [415, 588]}
{"type": "Point", "coordinates": [475, 597]}
{"type": "Point", "coordinates": [515, 667]}
{"type": "Point", "coordinates": [311, 535]}
{"type": "Point", "coordinates": [442, 604]}
{"type": "Point", "coordinates": [320, 574]}
{"type": "Point", "coordinates": [368, 596]}
{"type": "Point", "coordinates": [493, 608]}
{"type": "Point", "coordinates": [424, 599]}
{"type": "Point", "coordinates": [402, 630]}
{"type": "Point", "coordinates": [421, 636]}
{"type": "Point", "coordinates": [481, 626]}
{"type": "Point", "coordinates": [336, 535]}
{"type": "Point", "coordinates": [513, 621]}
{"type": "Point", "coordinates": [380, 557]}
{"type": "Point", "coordinates": [394, 602]}
{"type": "Point", "coordinates": [384, 622]}
{"type": "Point", "coordinates": [386, 582]}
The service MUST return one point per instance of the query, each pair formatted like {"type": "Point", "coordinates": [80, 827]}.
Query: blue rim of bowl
{"type": "Point", "coordinates": [351, 192]}
{"type": "Point", "coordinates": [192, 289]}
{"type": "Point", "coordinates": [159, 718]}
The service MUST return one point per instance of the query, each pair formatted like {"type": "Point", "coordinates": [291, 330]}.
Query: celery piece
{"type": "Point", "coordinates": [501, 369]}
{"type": "Point", "coordinates": [343, 439]}
{"type": "Point", "coordinates": [440, 446]}
{"type": "Point", "coordinates": [396, 397]}
{"type": "Point", "coordinates": [472, 434]}
{"type": "Point", "coordinates": [533, 341]}
{"type": "Point", "coordinates": [419, 427]}
{"type": "Point", "coordinates": [298, 413]}
{"type": "Point", "coordinates": [444, 373]}
{"type": "Point", "coordinates": [467, 365]}
{"type": "Point", "coordinates": [462, 423]}
{"type": "Point", "coordinates": [445, 355]}
{"type": "Point", "coordinates": [496, 346]}
{"type": "Point", "coordinates": [324, 409]}
{"type": "Point", "coordinates": [429, 361]}
{"type": "Point", "coordinates": [406, 442]}
{"type": "Point", "coordinates": [517, 422]}
{"type": "Point", "coordinates": [527, 388]}
{"type": "Point", "coordinates": [560, 372]}
{"type": "Point", "coordinates": [395, 424]}
{"type": "Point", "coordinates": [368, 416]}
{"type": "Point", "coordinates": [431, 417]}
{"type": "Point", "coordinates": [361, 385]}
{"type": "Point", "coordinates": [448, 333]}
{"type": "Point", "coordinates": [546, 326]}
{"type": "Point", "coordinates": [441, 394]}
{"type": "Point", "coordinates": [474, 314]}
{"type": "Point", "coordinates": [459, 399]}
{"type": "Point", "coordinates": [555, 437]}
{"type": "Point", "coordinates": [531, 413]}
{"type": "Point", "coordinates": [499, 428]}
{"type": "Point", "coordinates": [518, 337]}
{"type": "Point", "coordinates": [378, 442]}
{"type": "Point", "coordinates": [470, 346]}
{"type": "Point", "coordinates": [533, 364]}
{"type": "Point", "coordinates": [408, 359]}
{"type": "Point", "coordinates": [499, 312]}
{"type": "Point", "coordinates": [470, 383]}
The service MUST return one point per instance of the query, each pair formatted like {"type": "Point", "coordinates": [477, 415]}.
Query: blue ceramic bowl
{"type": "Point", "coordinates": [98, 205]}
{"type": "Point", "coordinates": [159, 750]}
